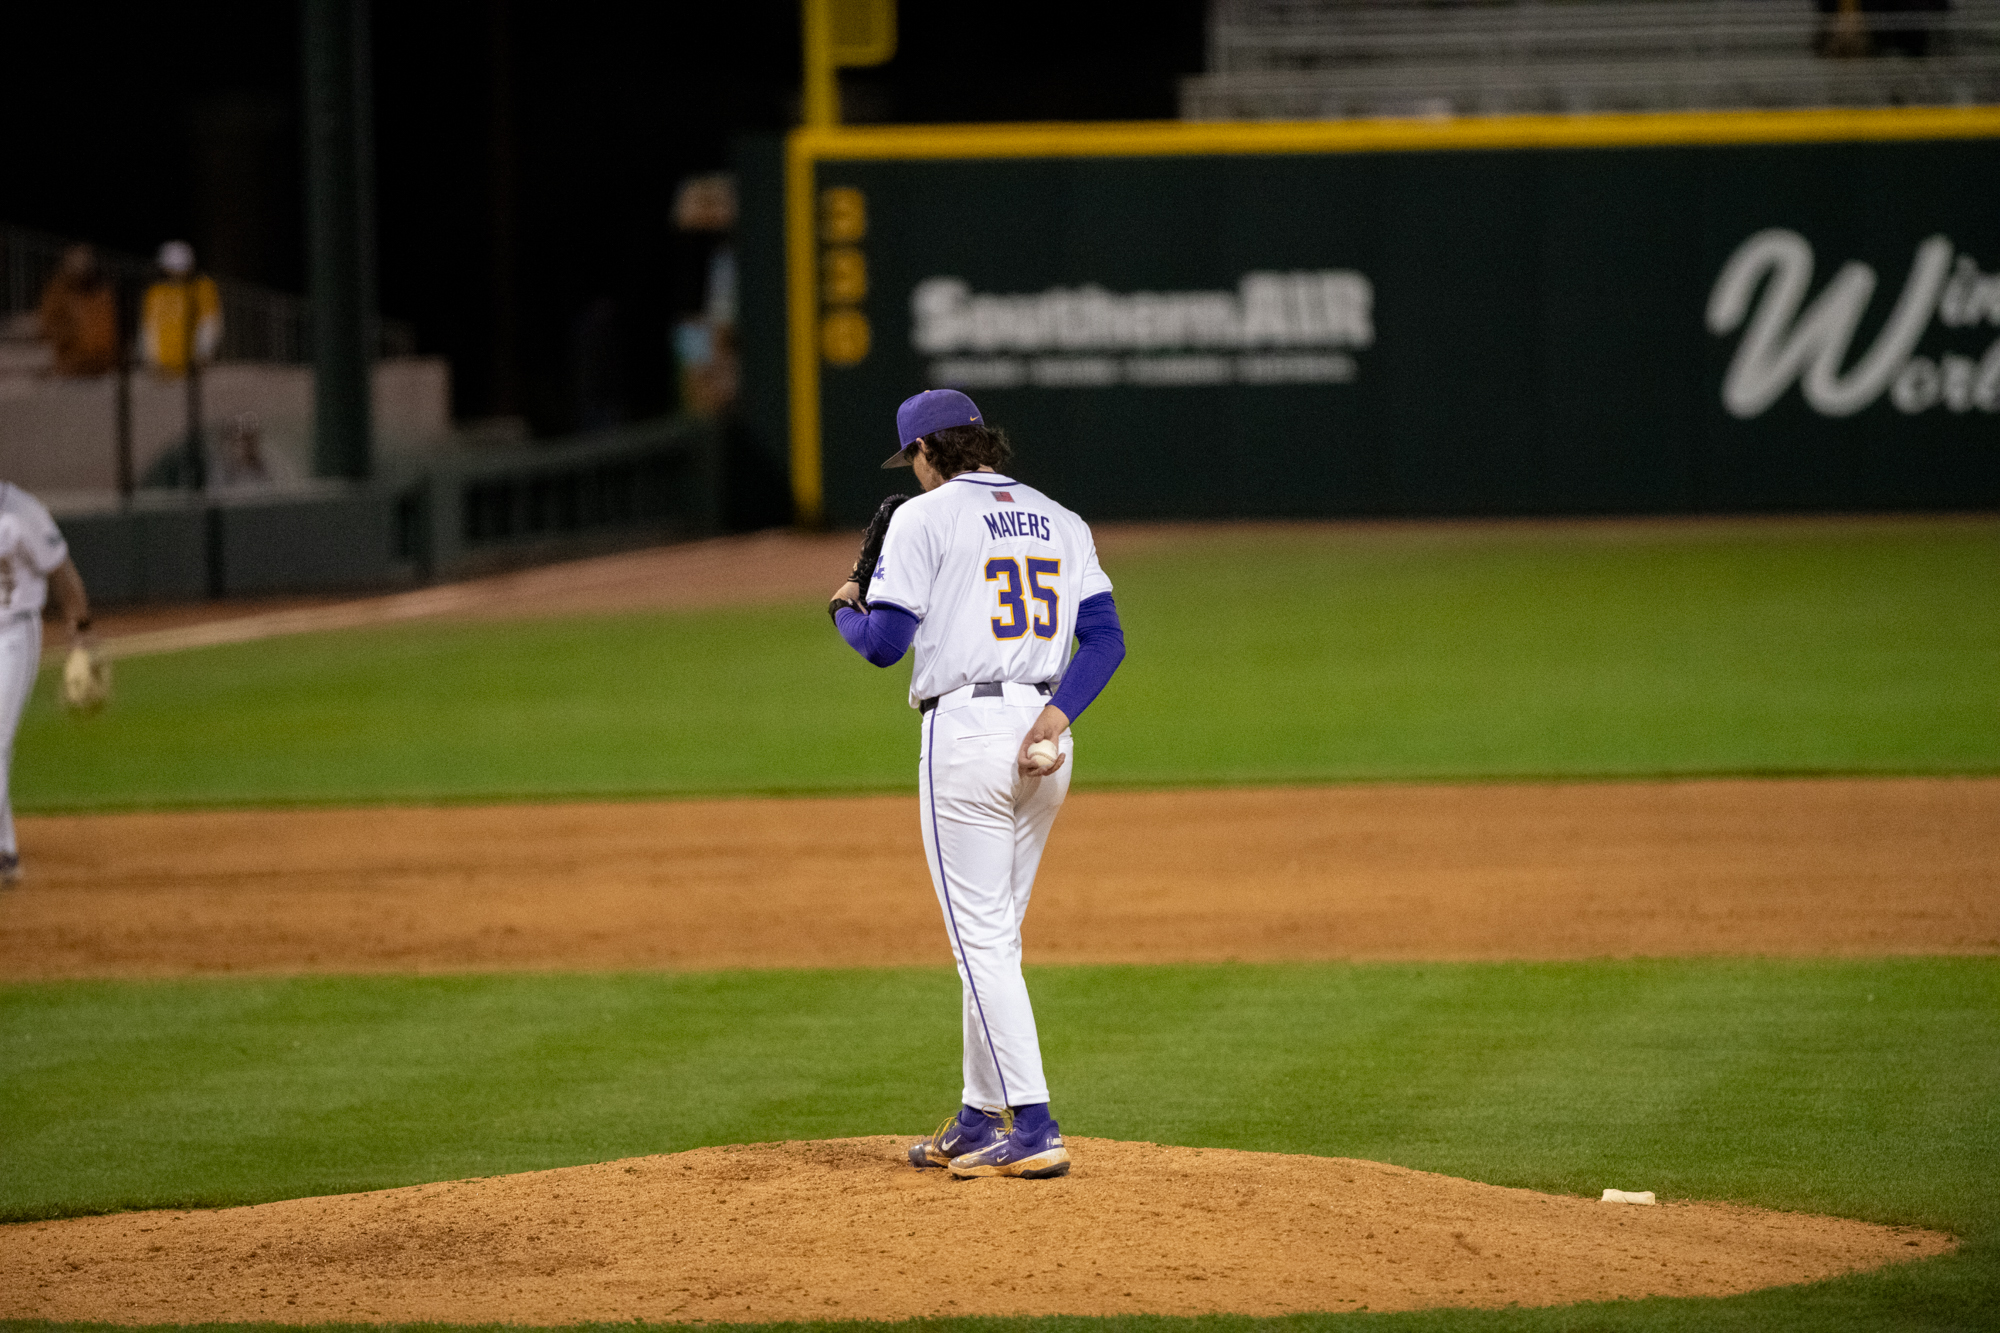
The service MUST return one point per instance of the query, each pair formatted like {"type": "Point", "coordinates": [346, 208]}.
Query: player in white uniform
{"type": "Point", "coordinates": [991, 580]}
{"type": "Point", "coordinates": [33, 559]}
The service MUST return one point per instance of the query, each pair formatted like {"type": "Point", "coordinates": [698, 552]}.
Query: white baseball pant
{"type": "Point", "coordinates": [984, 829]}
{"type": "Point", "coordinates": [20, 659]}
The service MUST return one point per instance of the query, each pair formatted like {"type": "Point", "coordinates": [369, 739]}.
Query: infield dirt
{"type": "Point", "coordinates": [1390, 872]}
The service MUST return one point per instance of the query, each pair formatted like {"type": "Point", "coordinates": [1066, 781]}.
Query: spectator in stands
{"type": "Point", "coordinates": [182, 310]}
{"type": "Point", "coordinates": [79, 315]}
{"type": "Point", "coordinates": [704, 295]}
{"type": "Point", "coordinates": [1878, 27]}
{"type": "Point", "coordinates": [242, 461]}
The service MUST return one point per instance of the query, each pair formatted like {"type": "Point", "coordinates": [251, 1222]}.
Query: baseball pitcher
{"type": "Point", "coordinates": [990, 580]}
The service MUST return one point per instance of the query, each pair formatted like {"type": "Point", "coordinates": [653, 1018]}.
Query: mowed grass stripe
{"type": "Point", "coordinates": [1856, 1087]}
{"type": "Point", "coordinates": [1722, 650]}
{"type": "Point", "coordinates": [1289, 656]}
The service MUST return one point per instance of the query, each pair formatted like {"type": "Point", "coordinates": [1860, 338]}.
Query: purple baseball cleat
{"type": "Point", "coordinates": [969, 1131]}
{"type": "Point", "coordinates": [1032, 1149]}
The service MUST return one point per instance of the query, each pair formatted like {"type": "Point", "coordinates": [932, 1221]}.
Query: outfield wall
{"type": "Point", "coordinates": [1773, 311]}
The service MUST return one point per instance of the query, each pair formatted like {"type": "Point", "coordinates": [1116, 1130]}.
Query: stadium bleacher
{"type": "Point", "coordinates": [1330, 59]}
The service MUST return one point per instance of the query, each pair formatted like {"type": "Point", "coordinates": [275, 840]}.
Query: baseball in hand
{"type": "Point", "coordinates": [1043, 754]}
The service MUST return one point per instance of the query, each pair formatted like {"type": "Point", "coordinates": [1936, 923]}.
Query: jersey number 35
{"type": "Point", "coordinates": [1018, 621]}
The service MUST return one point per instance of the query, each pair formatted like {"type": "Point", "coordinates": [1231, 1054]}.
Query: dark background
{"type": "Point", "coordinates": [527, 154]}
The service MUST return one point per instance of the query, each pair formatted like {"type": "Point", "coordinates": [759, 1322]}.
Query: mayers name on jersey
{"type": "Point", "coordinates": [1017, 523]}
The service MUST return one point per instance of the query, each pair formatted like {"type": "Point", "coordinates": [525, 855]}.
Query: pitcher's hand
{"type": "Point", "coordinates": [1048, 727]}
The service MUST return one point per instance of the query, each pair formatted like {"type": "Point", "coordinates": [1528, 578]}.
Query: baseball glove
{"type": "Point", "coordinates": [86, 680]}
{"type": "Point", "coordinates": [871, 545]}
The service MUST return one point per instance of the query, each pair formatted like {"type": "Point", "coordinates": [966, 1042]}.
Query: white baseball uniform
{"type": "Point", "coordinates": [994, 572]}
{"type": "Point", "coordinates": [31, 549]}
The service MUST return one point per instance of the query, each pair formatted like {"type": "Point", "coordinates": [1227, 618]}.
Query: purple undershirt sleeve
{"type": "Point", "coordinates": [1100, 648]}
{"type": "Point", "coordinates": [882, 636]}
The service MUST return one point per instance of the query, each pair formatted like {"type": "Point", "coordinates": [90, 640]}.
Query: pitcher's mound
{"type": "Point", "coordinates": [844, 1228]}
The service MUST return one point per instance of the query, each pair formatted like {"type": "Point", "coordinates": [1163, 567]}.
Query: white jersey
{"type": "Point", "coordinates": [993, 571]}
{"type": "Point", "coordinates": [31, 549]}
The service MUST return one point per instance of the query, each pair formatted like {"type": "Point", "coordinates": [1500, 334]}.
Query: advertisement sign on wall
{"type": "Point", "coordinates": [1669, 327]}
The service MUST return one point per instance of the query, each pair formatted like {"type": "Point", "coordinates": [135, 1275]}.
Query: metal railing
{"type": "Point", "coordinates": [1325, 58]}
{"type": "Point", "coordinates": [258, 323]}
{"type": "Point", "coordinates": [449, 516]}
{"type": "Point", "coordinates": [501, 506]}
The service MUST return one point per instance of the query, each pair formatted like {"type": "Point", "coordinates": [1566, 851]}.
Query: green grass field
{"type": "Point", "coordinates": [1422, 653]}
{"type": "Point", "coordinates": [1865, 1088]}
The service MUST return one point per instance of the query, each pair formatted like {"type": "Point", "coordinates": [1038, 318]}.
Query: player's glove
{"type": "Point", "coordinates": [871, 546]}
{"type": "Point", "coordinates": [86, 680]}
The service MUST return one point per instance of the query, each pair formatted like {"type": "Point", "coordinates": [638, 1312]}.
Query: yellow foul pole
{"type": "Point", "coordinates": [836, 33]}
{"type": "Point", "coordinates": [821, 109]}
{"type": "Point", "coordinates": [822, 90]}
{"type": "Point", "coordinates": [802, 329]}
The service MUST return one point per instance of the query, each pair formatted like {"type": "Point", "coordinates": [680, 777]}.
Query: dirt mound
{"type": "Point", "coordinates": [843, 1228]}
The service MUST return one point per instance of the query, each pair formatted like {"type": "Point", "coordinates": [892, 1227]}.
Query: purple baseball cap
{"type": "Point", "coordinates": [933, 409]}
